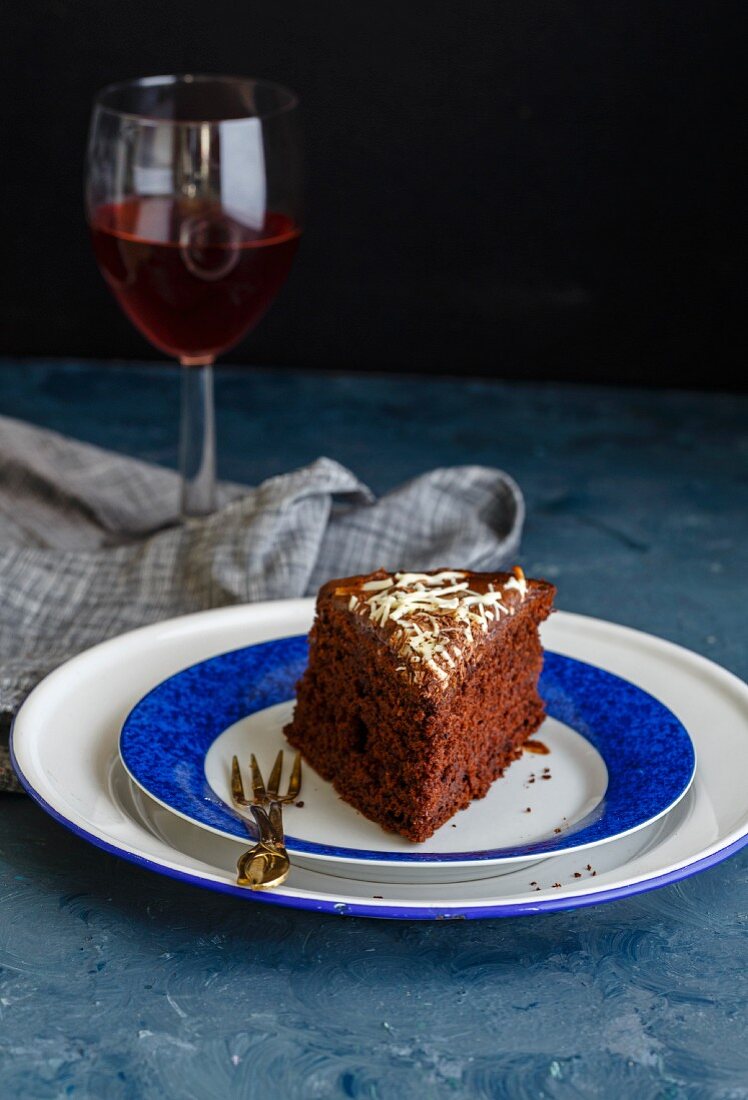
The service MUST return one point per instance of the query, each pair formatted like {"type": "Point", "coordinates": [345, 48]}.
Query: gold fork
{"type": "Point", "coordinates": [267, 863]}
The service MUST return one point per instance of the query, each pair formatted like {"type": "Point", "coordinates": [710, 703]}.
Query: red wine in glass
{"type": "Point", "coordinates": [193, 199]}
{"type": "Point", "coordinates": [192, 278]}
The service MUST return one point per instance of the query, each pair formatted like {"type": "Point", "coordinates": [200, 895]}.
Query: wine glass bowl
{"type": "Point", "coordinates": [193, 200]}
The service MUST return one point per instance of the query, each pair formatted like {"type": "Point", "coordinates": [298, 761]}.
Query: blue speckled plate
{"type": "Point", "coordinates": [618, 760]}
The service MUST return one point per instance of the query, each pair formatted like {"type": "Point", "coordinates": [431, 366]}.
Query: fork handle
{"type": "Point", "coordinates": [269, 821]}
{"type": "Point", "coordinates": [275, 814]}
{"type": "Point", "coordinates": [262, 868]}
{"type": "Point", "coordinates": [267, 863]}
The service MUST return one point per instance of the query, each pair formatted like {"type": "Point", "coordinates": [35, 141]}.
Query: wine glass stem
{"type": "Point", "coordinates": [197, 450]}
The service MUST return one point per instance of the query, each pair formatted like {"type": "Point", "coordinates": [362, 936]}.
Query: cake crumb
{"type": "Point", "coordinates": [588, 867]}
{"type": "Point", "coordinates": [556, 884]}
{"type": "Point", "coordinates": [299, 804]}
{"type": "Point", "coordinates": [557, 830]}
{"type": "Point", "coordinates": [577, 874]}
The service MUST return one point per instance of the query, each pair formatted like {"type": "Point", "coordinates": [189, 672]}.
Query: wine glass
{"type": "Point", "coordinates": [193, 201]}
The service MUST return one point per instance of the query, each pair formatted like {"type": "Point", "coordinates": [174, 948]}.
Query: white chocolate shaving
{"type": "Point", "coordinates": [435, 612]}
{"type": "Point", "coordinates": [375, 586]}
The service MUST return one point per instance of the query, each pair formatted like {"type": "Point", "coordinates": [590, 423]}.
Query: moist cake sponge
{"type": "Point", "coordinates": [420, 689]}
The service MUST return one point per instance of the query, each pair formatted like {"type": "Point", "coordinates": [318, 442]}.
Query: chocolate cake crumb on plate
{"type": "Point", "coordinates": [420, 689]}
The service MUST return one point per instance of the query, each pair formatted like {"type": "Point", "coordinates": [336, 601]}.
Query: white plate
{"type": "Point", "coordinates": [579, 780]}
{"type": "Point", "coordinates": [64, 744]}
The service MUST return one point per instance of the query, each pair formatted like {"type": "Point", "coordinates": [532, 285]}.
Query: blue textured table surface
{"type": "Point", "coordinates": [121, 984]}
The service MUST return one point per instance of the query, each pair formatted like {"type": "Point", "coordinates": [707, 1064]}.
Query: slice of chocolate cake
{"type": "Point", "coordinates": [421, 688]}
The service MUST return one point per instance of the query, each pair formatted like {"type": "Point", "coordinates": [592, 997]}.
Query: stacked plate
{"type": "Point", "coordinates": [636, 780]}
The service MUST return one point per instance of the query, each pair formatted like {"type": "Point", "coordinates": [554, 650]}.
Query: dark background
{"type": "Point", "coordinates": [522, 189]}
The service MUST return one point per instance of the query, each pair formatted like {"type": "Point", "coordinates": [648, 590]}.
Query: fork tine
{"type": "Point", "coordinates": [258, 785]}
{"type": "Point", "coordinates": [294, 782]}
{"type": "Point", "coordinates": [237, 787]}
{"type": "Point", "coordinates": [275, 776]}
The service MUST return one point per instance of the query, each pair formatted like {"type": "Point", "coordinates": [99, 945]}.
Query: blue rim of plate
{"type": "Point", "coordinates": [648, 753]}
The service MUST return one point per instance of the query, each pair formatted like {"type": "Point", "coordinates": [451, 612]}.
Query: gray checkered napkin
{"type": "Point", "coordinates": [91, 544]}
